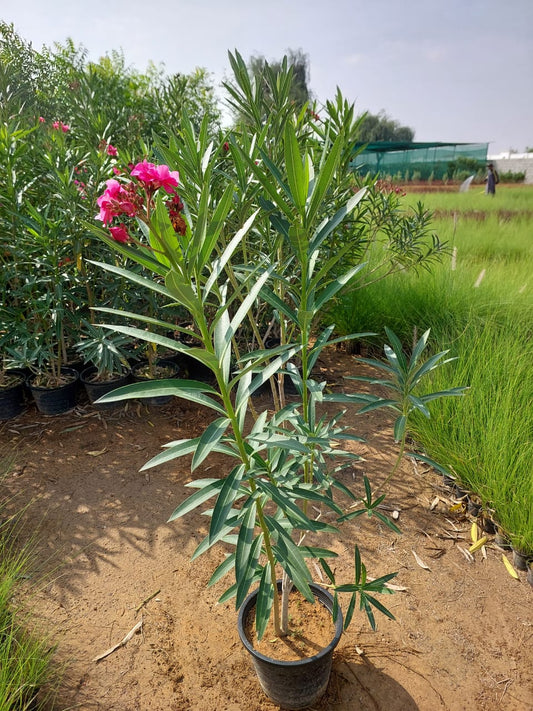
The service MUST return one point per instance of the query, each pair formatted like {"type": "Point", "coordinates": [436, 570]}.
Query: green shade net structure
{"type": "Point", "coordinates": [406, 161]}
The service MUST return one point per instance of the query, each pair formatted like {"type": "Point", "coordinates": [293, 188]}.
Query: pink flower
{"type": "Point", "coordinates": [111, 150]}
{"type": "Point", "coordinates": [116, 170]}
{"type": "Point", "coordinates": [156, 176]}
{"type": "Point", "coordinates": [117, 201]}
{"type": "Point", "coordinates": [120, 233]}
{"type": "Point", "coordinates": [60, 125]}
{"type": "Point", "coordinates": [225, 146]}
{"type": "Point", "coordinates": [41, 119]}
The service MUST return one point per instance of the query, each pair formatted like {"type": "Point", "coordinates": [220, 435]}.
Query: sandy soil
{"type": "Point", "coordinates": [463, 634]}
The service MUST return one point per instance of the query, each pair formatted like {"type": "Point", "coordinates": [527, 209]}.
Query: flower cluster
{"type": "Point", "coordinates": [386, 186]}
{"type": "Point", "coordinates": [108, 148]}
{"type": "Point", "coordinates": [118, 200]}
{"type": "Point", "coordinates": [81, 187]}
{"type": "Point", "coordinates": [60, 126]}
{"type": "Point", "coordinates": [153, 176]}
{"type": "Point", "coordinates": [136, 198]}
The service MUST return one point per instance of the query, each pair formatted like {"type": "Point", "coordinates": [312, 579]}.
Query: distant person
{"type": "Point", "coordinates": [492, 179]}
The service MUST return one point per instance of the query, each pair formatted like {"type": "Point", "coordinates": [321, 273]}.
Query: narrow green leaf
{"type": "Point", "coordinates": [251, 296]}
{"type": "Point", "coordinates": [397, 348]}
{"type": "Point", "coordinates": [225, 500]}
{"type": "Point", "coordinates": [172, 386]}
{"type": "Point", "coordinates": [209, 439]}
{"type": "Point", "coordinates": [134, 278]}
{"type": "Point", "coordinates": [290, 559]}
{"type": "Point", "coordinates": [223, 535]}
{"type": "Point", "coordinates": [386, 520]}
{"type": "Point", "coordinates": [329, 292]}
{"type": "Point", "coordinates": [350, 611]}
{"type": "Point", "coordinates": [379, 606]}
{"type": "Point", "coordinates": [245, 538]}
{"type": "Point", "coordinates": [418, 349]}
{"type": "Point", "coordinates": [328, 226]}
{"type": "Point", "coordinates": [222, 569]}
{"type": "Point", "coordinates": [357, 565]}
{"type": "Point", "coordinates": [215, 226]}
{"type": "Point", "coordinates": [230, 592]}
{"type": "Point", "coordinates": [196, 499]}
{"type": "Point", "coordinates": [297, 175]}
{"type": "Point", "coordinates": [265, 599]}
{"type": "Point", "coordinates": [246, 574]}
{"type": "Point", "coordinates": [364, 604]}
{"type": "Point", "coordinates": [220, 263]}
{"type": "Point", "coordinates": [399, 428]}
{"type": "Point", "coordinates": [327, 570]}
{"type": "Point", "coordinates": [430, 364]}
{"type": "Point", "coordinates": [324, 178]}
{"type": "Point", "coordinates": [140, 255]}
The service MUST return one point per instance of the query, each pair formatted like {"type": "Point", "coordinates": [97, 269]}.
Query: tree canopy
{"type": "Point", "coordinates": [380, 127]}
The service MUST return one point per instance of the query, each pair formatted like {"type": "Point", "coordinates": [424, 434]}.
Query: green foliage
{"type": "Point", "coordinates": [374, 128]}
{"type": "Point", "coordinates": [463, 167]}
{"type": "Point", "coordinates": [103, 350]}
{"type": "Point", "coordinates": [287, 461]}
{"type": "Point", "coordinates": [483, 438]}
{"type": "Point", "coordinates": [510, 176]}
{"type": "Point", "coordinates": [25, 656]}
{"type": "Point", "coordinates": [271, 228]}
{"type": "Point", "coordinates": [294, 64]}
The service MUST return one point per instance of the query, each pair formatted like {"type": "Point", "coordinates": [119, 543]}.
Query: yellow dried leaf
{"type": "Point", "coordinates": [478, 544]}
{"type": "Point", "coordinates": [434, 503]}
{"type": "Point", "coordinates": [512, 572]}
{"type": "Point", "coordinates": [456, 507]}
{"type": "Point", "coordinates": [474, 532]}
{"type": "Point", "coordinates": [97, 452]}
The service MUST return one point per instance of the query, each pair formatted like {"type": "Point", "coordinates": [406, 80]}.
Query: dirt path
{"type": "Point", "coordinates": [463, 634]}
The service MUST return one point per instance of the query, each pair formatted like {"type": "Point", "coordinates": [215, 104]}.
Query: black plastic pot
{"type": "Point", "coordinates": [296, 684]}
{"type": "Point", "coordinates": [473, 507]}
{"type": "Point", "coordinates": [521, 559]}
{"type": "Point", "coordinates": [12, 396]}
{"type": "Point", "coordinates": [96, 388]}
{"type": "Point", "coordinates": [138, 377]}
{"type": "Point", "coordinates": [501, 540]}
{"type": "Point", "coordinates": [56, 400]}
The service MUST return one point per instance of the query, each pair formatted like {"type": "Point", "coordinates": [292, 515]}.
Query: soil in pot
{"type": "Point", "coordinates": [311, 629]}
{"type": "Point", "coordinates": [96, 386]}
{"type": "Point", "coordinates": [162, 370]}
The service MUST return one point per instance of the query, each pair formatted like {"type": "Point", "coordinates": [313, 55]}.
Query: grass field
{"type": "Point", "coordinates": [478, 303]}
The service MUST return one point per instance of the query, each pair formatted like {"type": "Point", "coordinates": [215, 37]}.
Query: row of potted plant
{"type": "Point", "coordinates": [268, 227]}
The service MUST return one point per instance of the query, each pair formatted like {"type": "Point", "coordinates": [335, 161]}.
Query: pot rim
{"type": "Point", "coordinates": [91, 369]}
{"type": "Point", "coordinates": [64, 369]}
{"type": "Point", "coordinates": [318, 591]}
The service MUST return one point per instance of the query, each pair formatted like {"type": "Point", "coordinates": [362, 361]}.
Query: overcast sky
{"type": "Point", "coordinates": [453, 70]}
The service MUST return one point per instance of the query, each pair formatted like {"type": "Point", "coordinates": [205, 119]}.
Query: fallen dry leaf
{"type": "Point", "coordinates": [97, 452]}
{"type": "Point", "coordinates": [434, 503]}
{"type": "Point", "coordinates": [512, 572]}
{"type": "Point", "coordinates": [420, 561]}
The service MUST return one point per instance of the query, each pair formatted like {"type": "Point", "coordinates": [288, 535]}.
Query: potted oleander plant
{"type": "Point", "coordinates": [106, 357]}
{"type": "Point", "coordinates": [286, 461]}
